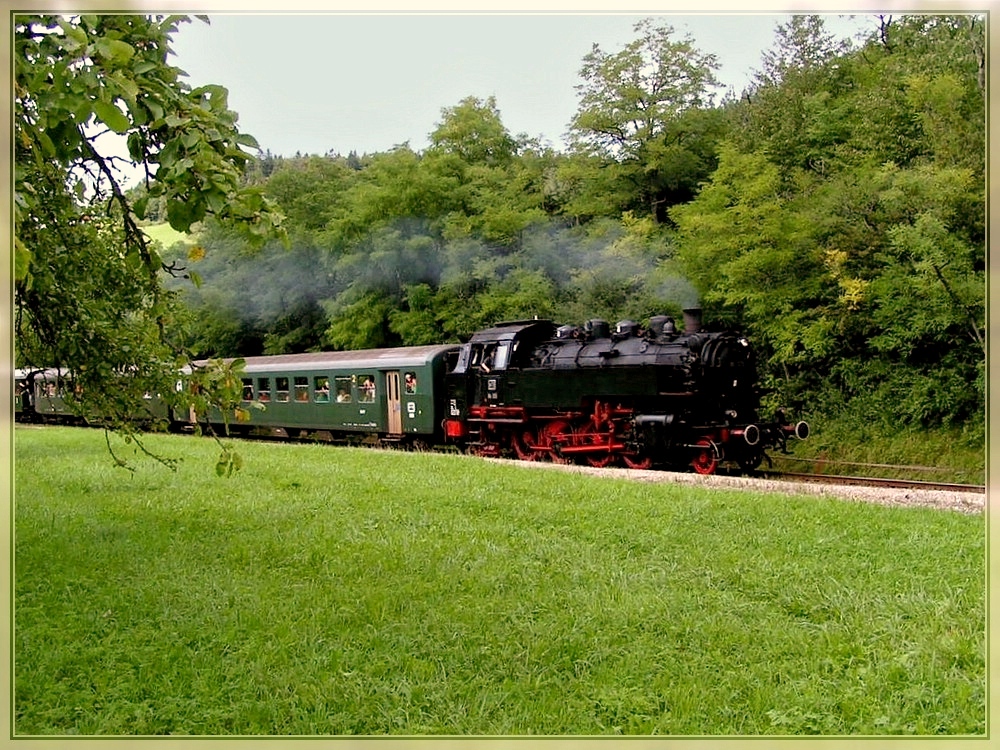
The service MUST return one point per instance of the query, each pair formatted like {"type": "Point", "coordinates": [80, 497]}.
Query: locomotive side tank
{"type": "Point", "coordinates": [658, 395]}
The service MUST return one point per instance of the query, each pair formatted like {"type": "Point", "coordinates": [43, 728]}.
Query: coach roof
{"type": "Point", "coordinates": [378, 359]}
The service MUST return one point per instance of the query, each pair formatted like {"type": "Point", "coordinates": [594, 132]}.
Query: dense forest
{"type": "Point", "coordinates": [835, 211]}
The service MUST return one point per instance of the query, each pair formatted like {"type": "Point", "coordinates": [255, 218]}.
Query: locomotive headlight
{"type": "Point", "coordinates": [743, 341]}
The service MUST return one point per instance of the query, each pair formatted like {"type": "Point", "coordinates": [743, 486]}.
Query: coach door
{"type": "Point", "coordinates": [392, 401]}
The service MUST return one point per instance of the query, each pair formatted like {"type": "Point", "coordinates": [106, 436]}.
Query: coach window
{"type": "Point", "coordinates": [281, 389]}
{"type": "Point", "coordinates": [264, 389]}
{"type": "Point", "coordinates": [410, 382]}
{"type": "Point", "coordinates": [248, 389]}
{"type": "Point", "coordinates": [343, 390]}
{"type": "Point", "coordinates": [302, 389]}
{"type": "Point", "coordinates": [321, 389]}
{"type": "Point", "coordinates": [366, 389]}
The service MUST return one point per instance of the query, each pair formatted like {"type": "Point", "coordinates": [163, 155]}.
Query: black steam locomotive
{"type": "Point", "coordinates": [642, 396]}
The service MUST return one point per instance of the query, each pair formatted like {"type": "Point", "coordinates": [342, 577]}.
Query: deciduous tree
{"type": "Point", "coordinates": [89, 295]}
{"type": "Point", "coordinates": [641, 112]}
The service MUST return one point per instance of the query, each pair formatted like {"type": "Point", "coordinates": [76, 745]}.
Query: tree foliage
{"type": "Point", "coordinates": [645, 120]}
{"type": "Point", "coordinates": [89, 295]}
{"type": "Point", "coordinates": [844, 224]}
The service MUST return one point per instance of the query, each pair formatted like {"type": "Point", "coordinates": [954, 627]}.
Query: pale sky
{"type": "Point", "coordinates": [340, 82]}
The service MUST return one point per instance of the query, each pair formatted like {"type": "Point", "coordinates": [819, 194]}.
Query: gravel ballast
{"type": "Point", "coordinates": [962, 502]}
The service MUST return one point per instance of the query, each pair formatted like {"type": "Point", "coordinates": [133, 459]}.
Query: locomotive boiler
{"type": "Point", "coordinates": [659, 395]}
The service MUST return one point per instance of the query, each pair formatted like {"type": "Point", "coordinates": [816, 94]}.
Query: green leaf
{"type": "Point", "coordinates": [139, 207]}
{"type": "Point", "coordinates": [75, 36]}
{"type": "Point", "coordinates": [128, 88]}
{"type": "Point", "coordinates": [190, 139]}
{"type": "Point", "coordinates": [116, 51]}
{"type": "Point", "coordinates": [111, 116]}
{"type": "Point", "coordinates": [216, 200]}
{"type": "Point", "coordinates": [154, 109]}
{"type": "Point", "coordinates": [183, 212]}
{"type": "Point", "coordinates": [48, 147]}
{"type": "Point", "coordinates": [244, 139]}
{"type": "Point", "coordinates": [143, 67]}
{"type": "Point", "coordinates": [22, 260]}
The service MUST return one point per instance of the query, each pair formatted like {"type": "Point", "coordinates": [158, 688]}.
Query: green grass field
{"type": "Point", "coordinates": [329, 590]}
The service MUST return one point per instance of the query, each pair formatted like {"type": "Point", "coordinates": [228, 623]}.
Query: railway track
{"type": "Point", "coordinates": [910, 484]}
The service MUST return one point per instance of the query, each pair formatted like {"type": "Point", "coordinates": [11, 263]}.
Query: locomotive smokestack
{"type": "Point", "coordinates": [692, 319]}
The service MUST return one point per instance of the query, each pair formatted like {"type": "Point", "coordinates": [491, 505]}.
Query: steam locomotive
{"type": "Point", "coordinates": [642, 397]}
{"type": "Point", "coordinates": [639, 396]}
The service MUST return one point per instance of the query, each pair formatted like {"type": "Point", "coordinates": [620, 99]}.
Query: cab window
{"type": "Point", "coordinates": [502, 356]}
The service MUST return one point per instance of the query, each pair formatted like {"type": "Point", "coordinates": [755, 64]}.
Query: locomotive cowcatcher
{"type": "Point", "coordinates": [655, 396]}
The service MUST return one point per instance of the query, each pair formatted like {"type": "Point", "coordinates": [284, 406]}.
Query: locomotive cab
{"type": "Point", "coordinates": [479, 384]}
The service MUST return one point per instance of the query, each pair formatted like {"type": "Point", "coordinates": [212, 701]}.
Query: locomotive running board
{"type": "Point", "coordinates": [496, 420]}
{"type": "Point", "coordinates": [498, 414]}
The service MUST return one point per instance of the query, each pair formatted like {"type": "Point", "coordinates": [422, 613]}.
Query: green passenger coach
{"type": "Point", "coordinates": [393, 394]}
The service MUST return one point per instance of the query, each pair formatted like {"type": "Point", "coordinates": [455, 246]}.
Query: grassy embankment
{"type": "Point", "coordinates": [330, 591]}
{"type": "Point", "coordinates": [844, 445]}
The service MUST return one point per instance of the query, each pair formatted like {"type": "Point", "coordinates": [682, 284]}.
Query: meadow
{"type": "Point", "coordinates": [166, 235]}
{"type": "Point", "coordinates": [331, 591]}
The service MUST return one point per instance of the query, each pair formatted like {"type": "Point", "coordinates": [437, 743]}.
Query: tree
{"type": "Point", "coordinates": [638, 113]}
{"type": "Point", "coordinates": [801, 45]}
{"type": "Point", "coordinates": [474, 131]}
{"type": "Point", "coordinates": [845, 227]}
{"type": "Point", "coordinates": [89, 293]}
{"type": "Point", "coordinates": [796, 102]}
{"type": "Point", "coordinates": [500, 191]}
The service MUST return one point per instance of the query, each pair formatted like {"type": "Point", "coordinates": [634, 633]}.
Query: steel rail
{"type": "Point", "coordinates": [914, 484]}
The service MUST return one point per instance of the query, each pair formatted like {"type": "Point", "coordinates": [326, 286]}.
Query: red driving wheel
{"type": "Point", "coordinates": [588, 435]}
{"type": "Point", "coordinates": [706, 459]}
{"type": "Point", "coordinates": [547, 436]}
{"type": "Point", "coordinates": [524, 445]}
{"type": "Point", "coordinates": [637, 462]}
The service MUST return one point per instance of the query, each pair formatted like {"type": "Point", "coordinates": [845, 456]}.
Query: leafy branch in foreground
{"type": "Point", "coordinates": [89, 293]}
